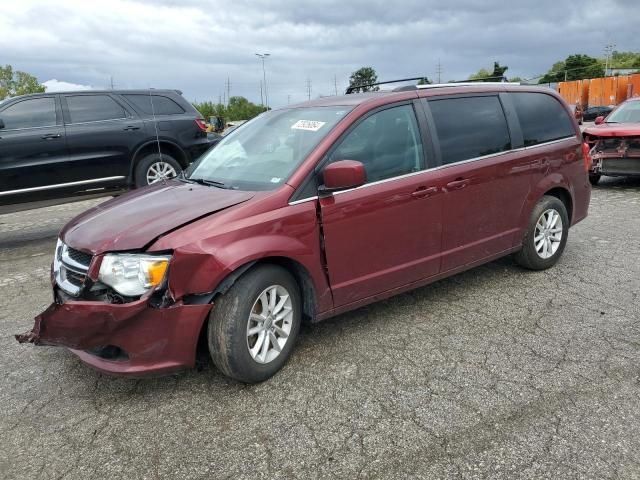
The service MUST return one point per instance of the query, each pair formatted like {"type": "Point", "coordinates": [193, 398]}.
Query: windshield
{"type": "Point", "coordinates": [263, 153]}
{"type": "Point", "coordinates": [628, 112]}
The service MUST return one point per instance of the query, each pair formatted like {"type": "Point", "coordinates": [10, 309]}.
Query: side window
{"type": "Point", "coordinates": [92, 108]}
{"type": "Point", "coordinates": [161, 105]}
{"type": "Point", "coordinates": [35, 112]}
{"type": "Point", "coordinates": [542, 118]}
{"type": "Point", "coordinates": [387, 143]}
{"type": "Point", "coordinates": [470, 127]}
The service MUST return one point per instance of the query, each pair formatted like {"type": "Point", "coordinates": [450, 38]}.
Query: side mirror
{"type": "Point", "coordinates": [343, 174]}
{"type": "Point", "coordinates": [1, 123]}
{"type": "Point", "coordinates": [599, 120]}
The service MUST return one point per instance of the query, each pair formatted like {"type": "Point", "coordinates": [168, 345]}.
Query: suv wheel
{"type": "Point", "coordinates": [156, 168]}
{"type": "Point", "coordinates": [546, 235]}
{"type": "Point", "coordinates": [253, 327]}
{"type": "Point", "coordinates": [594, 178]}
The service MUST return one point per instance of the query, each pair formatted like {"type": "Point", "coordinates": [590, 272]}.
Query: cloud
{"type": "Point", "coordinates": [196, 45]}
{"type": "Point", "coordinates": [54, 85]}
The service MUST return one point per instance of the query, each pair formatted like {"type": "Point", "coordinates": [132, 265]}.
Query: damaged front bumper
{"type": "Point", "coordinates": [615, 156]}
{"type": "Point", "coordinates": [133, 339]}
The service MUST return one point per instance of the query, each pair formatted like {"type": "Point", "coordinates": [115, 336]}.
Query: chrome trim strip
{"type": "Point", "coordinates": [61, 185]}
{"type": "Point", "coordinates": [440, 167]}
{"type": "Point", "coordinates": [296, 202]}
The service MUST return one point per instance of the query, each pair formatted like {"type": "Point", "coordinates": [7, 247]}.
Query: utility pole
{"type": "Point", "coordinates": [439, 71]}
{"type": "Point", "coordinates": [262, 56]}
{"type": "Point", "coordinates": [335, 84]}
{"type": "Point", "coordinates": [309, 88]}
{"type": "Point", "coordinates": [288, 99]}
{"type": "Point", "coordinates": [608, 50]}
{"type": "Point", "coordinates": [261, 97]}
{"type": "Point", "coordinates": [111, 81]}
{"type": "Point", "coordinates": [228, 89]}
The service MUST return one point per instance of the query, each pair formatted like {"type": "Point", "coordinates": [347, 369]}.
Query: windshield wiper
{"type": "Point", "coordinates": [209, 183]}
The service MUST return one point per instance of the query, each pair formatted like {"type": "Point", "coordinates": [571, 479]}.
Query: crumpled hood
{"type": "Point", "coordinates": [133, 220]}
{"type": "Point", "coordinates": [614, 130]}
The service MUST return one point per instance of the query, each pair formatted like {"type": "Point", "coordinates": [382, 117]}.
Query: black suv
{"type": "Point", "coordinates": [57, 147]}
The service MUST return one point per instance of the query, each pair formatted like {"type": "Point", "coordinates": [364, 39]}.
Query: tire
{"type": "Point", "coordinates": [594, 178]}
{"type": "Point", "coordinates": [165, 163]}
{"type": "Point", "coordinates": [550, 246]}
{"type": "Point", "coordinates": [230, 345]}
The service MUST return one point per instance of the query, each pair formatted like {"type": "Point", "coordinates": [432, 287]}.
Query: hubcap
{"type": "Point", "coordinates": [160, 171]}
{"type": "Point", "coordinates": [548, 234]}
{"type": "Point", "coordinates": [269, 324]}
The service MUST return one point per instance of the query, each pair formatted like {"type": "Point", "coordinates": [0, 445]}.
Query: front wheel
{"type": "Point", "coordinates": [253, 327]}
{"type": "Point", "coordinates": [546, 235]}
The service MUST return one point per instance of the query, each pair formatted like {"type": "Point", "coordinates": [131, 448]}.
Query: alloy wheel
{"type": "Point", "coordinates": [159, 171]}
{"type": "Point", "coordinates": [269, 324]}
{"type": "Point", "coordinates": [548, 233]}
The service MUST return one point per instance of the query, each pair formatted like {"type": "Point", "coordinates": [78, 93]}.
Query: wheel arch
{"type": "Point", "coordinates": [166, 146]}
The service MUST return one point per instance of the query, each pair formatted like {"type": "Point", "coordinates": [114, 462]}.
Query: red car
{"type": "Point", "coordinates": [309, 211]}
{"type": "Point", "coordinates": [615, 142]}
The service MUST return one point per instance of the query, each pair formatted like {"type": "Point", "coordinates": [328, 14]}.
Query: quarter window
{"type": "Point", "coordinates": [542, 118]}
{"type": "Point", "coordinates": [470, 127]}
{"type": "Point", "coordinates": [35, 112]}
{"type": "Point", "coordinates": [161, 105]}
{"type": "Point", "coordinates": [93, 108]}
{"type": "Point", "coordinates": [387, 143]}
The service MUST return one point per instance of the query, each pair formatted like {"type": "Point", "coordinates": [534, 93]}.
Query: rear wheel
{"type": "Point", "coordinates": [254, 326]}
{"type": "Point", "coordinates": [156, 168]}
{"type": "Point", "coordinates": [594, 178]}
{"type": "Point", "coordinates": [546, 235]}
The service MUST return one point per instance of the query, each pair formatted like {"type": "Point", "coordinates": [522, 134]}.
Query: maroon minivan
{"type": "Point", "coordinates": [309, 211]}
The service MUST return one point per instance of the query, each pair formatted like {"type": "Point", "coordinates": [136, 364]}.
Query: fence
{"type": "Point", "coordinates": [601, 91]}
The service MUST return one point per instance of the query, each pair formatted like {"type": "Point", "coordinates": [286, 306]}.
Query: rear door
{"type": "Point", "coordinates": [102, 135]}
{"type": "Point", "coordinates": [33, 149]}
{"type": "Point", "coordinates": [385, 234]}
{"type": "Point", "coordinates": [483, 180]}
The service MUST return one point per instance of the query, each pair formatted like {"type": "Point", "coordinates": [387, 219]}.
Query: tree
{"type": "Point", "coordinates": [574, 67]}
{"type": "Point", "coordinates": [239, 108]}
{"type": "Point", "coordinates": [17, 83]}
{"type": "Point", "coordinates": [424, 81]}
{"type": "Point", "coordinates": [362, 77]}
{"type": "Point", "coordinates": [486, 76]}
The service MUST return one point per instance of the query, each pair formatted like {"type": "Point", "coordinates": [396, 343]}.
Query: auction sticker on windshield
{"type": "Point", "coordinates": [311, 125]}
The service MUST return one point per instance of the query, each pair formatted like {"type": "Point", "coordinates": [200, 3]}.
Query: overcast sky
{"type": "Point", "coordinates": [196, 45]}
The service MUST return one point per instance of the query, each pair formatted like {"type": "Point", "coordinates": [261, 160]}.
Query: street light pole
{"type": "Point", "coordinates": [264, 77]}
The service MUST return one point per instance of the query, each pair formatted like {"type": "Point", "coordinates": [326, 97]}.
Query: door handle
{"type": "Point", "coordinates": [131, 127]}
{"type": "Point", "coordinates": [51, 136]}
{"type": "Point", "coordinates": [458, 184]}
{"type": "Point", "coordinates": [423, 192]}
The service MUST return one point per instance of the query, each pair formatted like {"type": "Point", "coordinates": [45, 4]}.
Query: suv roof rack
{"type": "Point", "coordinates": [457, 83]}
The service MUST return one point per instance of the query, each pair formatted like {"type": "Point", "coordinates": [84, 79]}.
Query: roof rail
{"type": "Point", "coordinates": [485, 80]}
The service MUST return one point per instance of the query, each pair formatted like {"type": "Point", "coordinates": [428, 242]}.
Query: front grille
{"type": "Point", "coordinates": [70, 269]}
{"type": "Point", "coordinates": [80, 257]}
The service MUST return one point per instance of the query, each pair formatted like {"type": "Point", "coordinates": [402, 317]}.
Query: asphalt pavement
{"type": "Point", "coordinates": [494, 373]}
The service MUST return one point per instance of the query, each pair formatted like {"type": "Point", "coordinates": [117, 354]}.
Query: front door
{"type": "Point", "coordinates": [33, 149]}
{"type": "Point", "coordinates": [385, 234]}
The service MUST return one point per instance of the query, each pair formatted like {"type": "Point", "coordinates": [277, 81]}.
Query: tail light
{"type": "Point", "coordinates": [201, 125]}
{"type": "Point", "coordinates": [586, 156]}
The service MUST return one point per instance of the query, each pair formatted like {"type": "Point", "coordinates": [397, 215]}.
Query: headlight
{"type": "Point", "coordinates": [133, 275]}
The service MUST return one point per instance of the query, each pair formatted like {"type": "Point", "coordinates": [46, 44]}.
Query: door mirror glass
{"type": "Point", "coordinates": [599, 120]}
{"type": "Point", "coordinates": [343, 174]}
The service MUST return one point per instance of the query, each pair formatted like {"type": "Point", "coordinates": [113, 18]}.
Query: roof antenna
{"type": "Point", "coordinates": [155, 124]}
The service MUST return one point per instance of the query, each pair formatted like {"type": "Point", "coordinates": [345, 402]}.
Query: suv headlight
{"type": "Point", "coordinates": [133, 275]}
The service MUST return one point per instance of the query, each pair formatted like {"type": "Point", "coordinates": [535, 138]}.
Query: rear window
{"type": "Point", "coordinates": [93, 108]}
{"type": "Point", "coordinates": [161, 105]}
{"type": "Point", "coordinates": [542, 118]}
{"type": "Point", "coordinates": [470, 127]}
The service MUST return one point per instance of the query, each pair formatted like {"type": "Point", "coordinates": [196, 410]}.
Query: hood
{"type": "Point", "coordinates": [614, 130]}
{"type": "Point", "coordinates": [133, 220]}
